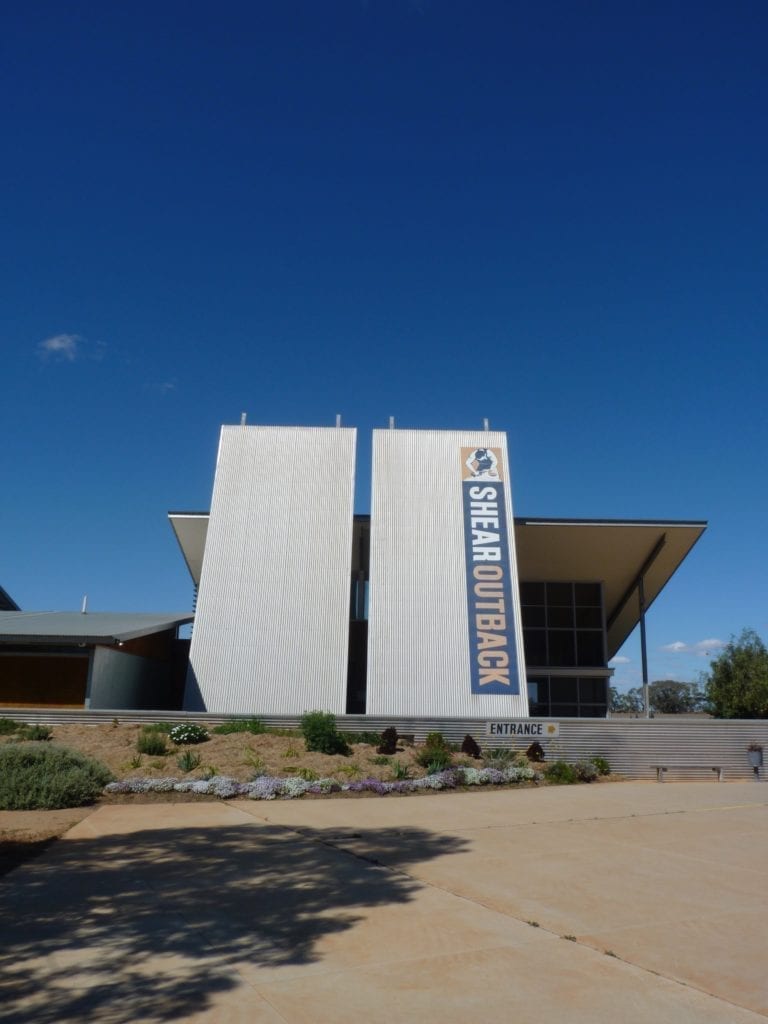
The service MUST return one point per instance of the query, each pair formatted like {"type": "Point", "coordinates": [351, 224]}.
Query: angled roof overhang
{"type": "Point", "coordinates": [7, 604]}
{"type": "Point", "coordinates": [85, 627]}
{"type": "Point", "coordinates": [191, 529]}
{"type": "Point", "coordinates": [614, 552]}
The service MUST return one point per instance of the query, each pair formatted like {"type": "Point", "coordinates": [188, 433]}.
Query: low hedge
{"type": "Point", "coordinates": [46, 777]}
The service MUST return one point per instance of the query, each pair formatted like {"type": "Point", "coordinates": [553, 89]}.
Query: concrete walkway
{"type": "Point", "coordinates": [631, 902]}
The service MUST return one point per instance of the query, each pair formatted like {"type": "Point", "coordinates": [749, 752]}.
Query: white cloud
{"type": "Point", "coordinates": [63, 347]}
{"type": "Point", "coordinates": [620, 660]}
{"type": "Point", "coordinates": [702, 648]}
{"type": "Point", "coordinates": [705, 647]}
{"type": "Point", "coordinates": [163, 387]}
{"type": "Point", "coordinates": [677, 647]}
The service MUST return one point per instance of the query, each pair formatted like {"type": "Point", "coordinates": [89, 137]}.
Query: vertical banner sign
{"type": "Point", "coordinates": [492, 645]}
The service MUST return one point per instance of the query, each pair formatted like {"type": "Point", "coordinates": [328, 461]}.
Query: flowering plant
{"type": "Point", "coordinates": [188, 732]}
{"type": "Point", "coordinates": [267, 787]}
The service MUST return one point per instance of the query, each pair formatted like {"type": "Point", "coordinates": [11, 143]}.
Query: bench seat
{"type": "Point", "coordinates": [661, 768]}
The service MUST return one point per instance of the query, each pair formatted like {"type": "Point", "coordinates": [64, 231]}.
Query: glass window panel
{"type": "Point", "coordinates": [592, 690]}
{"type": "Point", "coordinates": [563, 689]}
{"type": "Point", "coordinates": [542, 688]}
{"type": "Point", "coordinates": [564, 711]}
{"type": "Point", "coordinates": [535, 644]}
{"type": "Point", "coordinates": [588, 594]}
{"type": "Point", "coordinates": [538, 710]}
{"type": "Point", "coordinates": [533, 616]}
{"type": "Point", "coordinates": [590, 647]}
{"type": "Point", "coordinates": [589, 618]}
{"type": "Point", "coordinates": [561, 648]}
{"type": "Point", "coordinates": [559, 594]}
{"type": "Point", "coordinates": [560, 618]}
{"type": "Point", "coordinates": [532, 593]}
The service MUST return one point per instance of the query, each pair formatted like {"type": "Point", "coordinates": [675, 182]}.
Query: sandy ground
{"type": "Point", "coordinates": [23, 834]}
{"type": "Point", "coordinates": [238, 755]}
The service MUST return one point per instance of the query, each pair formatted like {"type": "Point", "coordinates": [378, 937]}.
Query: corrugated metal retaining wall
{"type": "Point", "coordinates": [631, 746]}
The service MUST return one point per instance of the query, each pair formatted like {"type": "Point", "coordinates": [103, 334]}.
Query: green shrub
{"type": "Point", "coordinates": [400, 770]}
{"type": "Point", "coordinates": [499, 757]}
{"type": "Point", "coordinates": [561, 773]}
{"type": "Point", "coordinates": [434, 752]}
{"type": "Point", "coordinates": [603, 767]}
{"type": "Point", "coordinates": [252, 759]}
{"type": "Point", "coordinates": [151, 742]}
{"type": "Point", "coordinates": [188, 733]}
{"type": "Point", "coordinates": [163, 727]}
{"type": "Point", "coordinates": [372, 739]}
{"type": "Point", "coordinates": [188, 761]}
{"type": "Point", "coordinates": [33, 733]}
{"type": "Point", "coordinates": [320, 733]}
{"type": "Point", "coordinates": [585, 771]}
{"type": "Point", "coordinates": [7, 726]}
{"type": "Point", "coordinates": [35, 777]}
{"type": "Point", "coordinates": [251, 725]}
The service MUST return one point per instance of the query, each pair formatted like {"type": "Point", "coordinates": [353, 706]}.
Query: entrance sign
{"type": "Point", "coordinates": [527, 728]}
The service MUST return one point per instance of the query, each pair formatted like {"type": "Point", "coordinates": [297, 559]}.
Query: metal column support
{"type": "Point", "coordinates": [643, 645]}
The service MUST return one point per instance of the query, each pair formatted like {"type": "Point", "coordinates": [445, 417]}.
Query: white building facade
{"type": "Point", "coordinates": [271, 632]}
{"type": "Point", "coordinates": [445, 637]}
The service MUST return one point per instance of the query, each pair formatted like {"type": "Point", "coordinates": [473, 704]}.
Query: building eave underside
{"type": "Point", "coordinates": [610, 551]}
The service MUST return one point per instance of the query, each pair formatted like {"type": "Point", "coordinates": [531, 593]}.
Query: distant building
{"type": "Point", "coordinates": [93, 660]}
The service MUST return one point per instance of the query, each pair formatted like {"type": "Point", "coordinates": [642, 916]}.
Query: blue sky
{"type": "Point", "coordinates": [549, 214]}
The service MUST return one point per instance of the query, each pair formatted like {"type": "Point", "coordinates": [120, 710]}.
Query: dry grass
{"type": "Point", "coordinates": [238, 755]}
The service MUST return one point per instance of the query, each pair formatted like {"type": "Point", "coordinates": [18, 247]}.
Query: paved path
{"type": "Point", "coordinates": [632, 902]}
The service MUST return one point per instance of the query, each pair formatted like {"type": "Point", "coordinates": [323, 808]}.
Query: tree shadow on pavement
{"type": "Point", "coordinates": [150, 926]}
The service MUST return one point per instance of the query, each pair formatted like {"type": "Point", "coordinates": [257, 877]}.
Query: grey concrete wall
{"type": "Point", "coordinates": [123, 681]}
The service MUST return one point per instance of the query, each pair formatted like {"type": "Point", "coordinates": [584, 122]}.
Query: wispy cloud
{"type": "Point", "coordinates": [61, 347]}
{"type": "Point", "coordinates": [702, 648]}
{"type": "Point", "coordinates": [676, 648]}
{"type": "Point", "coordinates": [162, 387]}
{"type": "Point", "coordinates": [706, 646]}
{"type": "Point", "coordinates": [620, 660]}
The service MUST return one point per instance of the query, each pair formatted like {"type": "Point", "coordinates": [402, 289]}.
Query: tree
{"type": "Point", "coordinates": [737, 684]}
{"type": "Point", "coordinates": [630, 703]}
{"type": "Point", "coordinates": [670, 697]}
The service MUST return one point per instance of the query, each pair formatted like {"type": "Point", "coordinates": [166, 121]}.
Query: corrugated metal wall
{"type": "Point", "coordinates": [418, 640]}
{"type": "Point", "coordinates": [272, 622]}
{"type": "Point", "coordinates": [631, 746]}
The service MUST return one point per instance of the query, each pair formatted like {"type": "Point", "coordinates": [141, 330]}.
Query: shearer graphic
{"type": "Point", "coordinates": [483, 464]}
{"type": "Point", "coordinates": [492, 643]}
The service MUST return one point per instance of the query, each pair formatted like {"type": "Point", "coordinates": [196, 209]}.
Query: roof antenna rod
{"type": "Point", "coordinates": [84, 609]}
{"type": "Point", "coordinates": [338, 419]}
{"type": "Point", "coordinates": [391, 422]}
{"type": "Point", "coordinates": [486, 425]}
{"type": "Point", "coordinates": [242, 419]}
